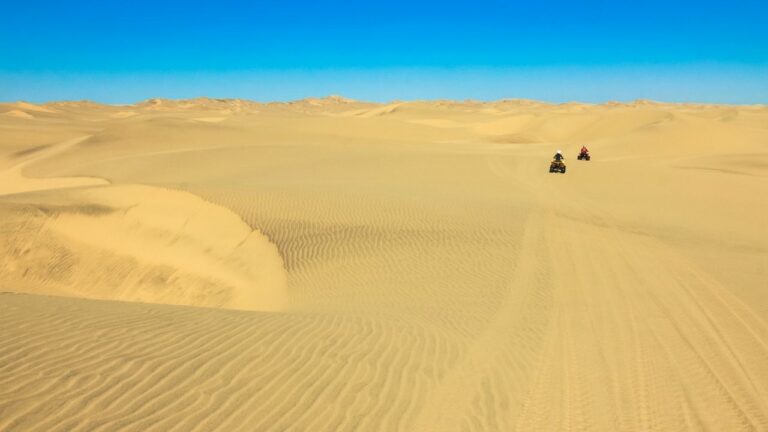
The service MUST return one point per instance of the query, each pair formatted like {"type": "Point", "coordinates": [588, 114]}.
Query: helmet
{"type": "Point", "coordinates": [559, 152]}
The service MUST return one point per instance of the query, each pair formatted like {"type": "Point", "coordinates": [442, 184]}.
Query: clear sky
{"type": "Point", "coordinates": [121, 51]}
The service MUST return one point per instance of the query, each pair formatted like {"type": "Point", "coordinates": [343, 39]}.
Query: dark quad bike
{"type": "Point", "coordinates": [557, 166]}
{"type": "Point", "coordinates": [583, 156]}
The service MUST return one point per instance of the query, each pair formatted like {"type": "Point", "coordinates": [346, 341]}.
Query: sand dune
{"type": "Point", "coordinates": [331, 264]}
{"type": "Point", "coordinates": [13, 182]}
{"type": "Point", "coordinates": [18, 114]}
{"type": "Point", "coordinates": [26, 106]}
{"type": "Point", "coordinates": [166, 246]}
{"type": "Point", "coordinates": [141, 243]}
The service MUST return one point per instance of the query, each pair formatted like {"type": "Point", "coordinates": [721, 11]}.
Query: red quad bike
{"type": "Point", "coordinates": [583, 156]}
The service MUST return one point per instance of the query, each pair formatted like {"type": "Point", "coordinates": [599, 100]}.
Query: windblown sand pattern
{"type": "Point", "coordinates": [332, 265]}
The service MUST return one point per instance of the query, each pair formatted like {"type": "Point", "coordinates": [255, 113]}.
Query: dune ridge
{"type": "Point", "coordinates": [167, 246]}
{"type": "Point", "coordinates": [12, 181]}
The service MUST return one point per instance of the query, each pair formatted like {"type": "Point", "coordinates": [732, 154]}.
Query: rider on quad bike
{"type": "Point", "coordinates": [584, 153]}
{"type": "Point", "coordinates": [557, 164]}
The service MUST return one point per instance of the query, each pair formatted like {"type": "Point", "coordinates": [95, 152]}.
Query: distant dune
{"type": "Point", "coordinates": [330, 264]}
{"type": "Point", "coordinates": [18, 114]}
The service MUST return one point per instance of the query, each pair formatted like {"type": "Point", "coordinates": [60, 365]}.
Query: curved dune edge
{"type": "Point", "coordinates": [184, 232]}
{"type": "Point", "coordinates": [132, 243]}
{"type": "Point", "coordinates": [13, 181]}
{"type": "Point", "coordinates": [146, 244]}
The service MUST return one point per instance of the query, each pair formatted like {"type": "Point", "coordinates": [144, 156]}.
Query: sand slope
{"type": "Point", "coordinates": [409, 266]}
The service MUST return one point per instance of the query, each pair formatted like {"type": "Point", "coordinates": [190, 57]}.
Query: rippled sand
{"type": "Point", "coordinates": [331, 265]}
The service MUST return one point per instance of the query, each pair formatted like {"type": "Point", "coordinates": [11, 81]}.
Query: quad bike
{"type": "Point", "coordinates": [557, 166]}
{"type": "Point", "coordinates": [583, 156]}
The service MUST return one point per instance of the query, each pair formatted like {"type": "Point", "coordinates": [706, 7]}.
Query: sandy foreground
{"type": "Point", "coordinates": [333, 265]}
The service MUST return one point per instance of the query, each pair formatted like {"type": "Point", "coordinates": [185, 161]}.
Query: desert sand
{"type": "Point", "coordinates": [335, 265]}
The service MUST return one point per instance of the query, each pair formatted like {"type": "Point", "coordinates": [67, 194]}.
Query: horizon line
{"type": "Point", "coordinates": [340, 98]}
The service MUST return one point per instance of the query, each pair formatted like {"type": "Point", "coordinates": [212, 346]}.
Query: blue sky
{"type": "Point", "coordinates": [126, 50]}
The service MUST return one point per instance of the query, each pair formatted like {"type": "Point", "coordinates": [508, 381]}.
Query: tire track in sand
{"type": "Point", "coordinates": [510, 343]}
{"type": "Point", "coordinates": [650, 341]}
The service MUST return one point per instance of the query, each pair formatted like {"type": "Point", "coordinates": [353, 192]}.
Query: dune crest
{"type": "Point", "coordinates": [12, 181]}
{"type": "Point", "coordinates": [33, 107]}
{"type": "Point", "coordinates": [171, 247]}
{"type": "Point", "coordinates": [18, 114]}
